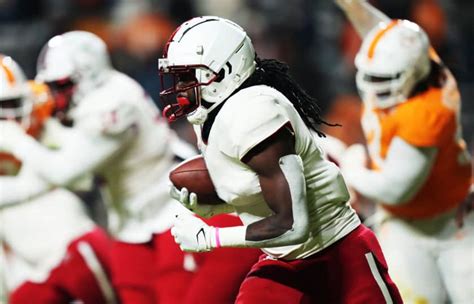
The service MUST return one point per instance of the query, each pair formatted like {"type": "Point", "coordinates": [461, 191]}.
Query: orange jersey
{"type": "Point", "coordinates": [430, 119]}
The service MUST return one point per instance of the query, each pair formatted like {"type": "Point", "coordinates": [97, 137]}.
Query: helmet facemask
{"type": "Point", "coordinates": [62, 91]}
{"type": "Point", "coordinates": [15, 98]}
{"type": "Point", "coordinates": [183, 94]}
{"type": "Point", "coordinates": [18, 109]}
{"type": "Point", "coordinates": [384, 90]}
{"type": "Point", "coordinates": [387, 90]}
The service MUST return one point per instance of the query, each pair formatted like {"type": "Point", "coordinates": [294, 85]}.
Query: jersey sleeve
{"type": "Point", "coordinates": [113, 119]}
{"type": "Point", "coordinates": [249, 122]}
{"type": "Point", "coordinates": [426, 125]}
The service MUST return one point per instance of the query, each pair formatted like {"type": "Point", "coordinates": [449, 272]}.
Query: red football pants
{"type": "Point", "coordinates": [159, 272]}
{"type": "Point", "coordinates": [81, 275]}
{"type": "Point", "coordinates": [353, 270]}
{"type": "Point", "coordinates": [221, 271]}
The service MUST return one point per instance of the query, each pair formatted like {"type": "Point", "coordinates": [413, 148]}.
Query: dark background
{"type": "Point", "coordinates": [312, 36]}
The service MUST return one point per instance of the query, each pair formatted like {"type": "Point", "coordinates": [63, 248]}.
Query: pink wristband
{"type": "Point", "coordinates": [218, 241]}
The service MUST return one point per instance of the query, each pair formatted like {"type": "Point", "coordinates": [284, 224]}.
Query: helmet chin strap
{"type": "Point", "coordinates": [199, 116]}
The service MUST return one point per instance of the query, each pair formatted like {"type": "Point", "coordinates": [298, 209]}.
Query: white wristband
{"type": "Point", "coordinates": [229, 237]}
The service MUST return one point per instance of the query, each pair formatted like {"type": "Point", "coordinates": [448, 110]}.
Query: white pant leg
{"type": "Point", "coordinates": [3, 283]}
{"type": "Point", "coordinates": [456, 261]}
{"type": "Point", "coordinates": [412, 265]}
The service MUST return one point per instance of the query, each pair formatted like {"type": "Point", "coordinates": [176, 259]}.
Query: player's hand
{"type": "Point", "coordinates": [192, 234]}
{"type": "Point", "coordinates": [354, 157]}
{"type": "Point", "coordinates": [190, 201]}
{"type": "Point", "coordinates": [10, 134]}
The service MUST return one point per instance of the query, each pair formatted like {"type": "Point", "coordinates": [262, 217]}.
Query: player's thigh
{"type": "Point", "coordinates": [174, 269]}
{"type": "Point", "coordinates": [456, 262]}
{"type": "Point", "coordinates": [89, 282]}
{"type": "Point", "coordinates": [42, 293]}
{"type": "Point", "coordinates": [265, 289]}
{"type": "Point", "coordinates": [133, 272]}
{"type": "Point", "coordinates": [94, 249]}
{"type": "Point", "coordinates": [411, 263]}
{"type": "Point", "coordinates": [357, 266]}
{"type": "Point", "coordinates": [228, 267]}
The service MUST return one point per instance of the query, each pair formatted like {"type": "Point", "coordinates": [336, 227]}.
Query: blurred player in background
{"type": "Point", "coordinates": [253, 124]}
{"type": "Point", "coordinates": [118, 134]}
{"type": "Point", "coordinates": [420, 170]}
{"type": "Point", "coordinates": [52, 251]}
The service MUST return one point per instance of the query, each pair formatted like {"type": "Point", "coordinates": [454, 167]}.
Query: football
{"type": "Point", "coordinates": [192, 174]}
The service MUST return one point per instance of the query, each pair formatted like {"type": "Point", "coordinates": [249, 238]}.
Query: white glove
{"type": "Point", "coordinates": [11, 134]}
{"type": "Point", "coordinates": [192, 234]}
{"type": "Point", "coordinates": [190, 201]}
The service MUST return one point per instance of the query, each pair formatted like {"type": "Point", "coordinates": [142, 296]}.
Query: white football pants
{"type": "Point", "coordinates": [431, 261]}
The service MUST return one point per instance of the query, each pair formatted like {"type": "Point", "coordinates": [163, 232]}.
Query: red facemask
{"type": "Point", "coordinates": [182, 95]}
{"type": "Point", "coordinates": [62, 91]}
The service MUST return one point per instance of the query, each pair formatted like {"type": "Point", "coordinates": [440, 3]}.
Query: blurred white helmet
{"type": "Point", "coordinates": [77, 60]}
{"type": "Point", "coordinates": [211, 55]}
{"type": "Point", "coordinates": [393, 58]}
{"type": "Point", "coordinates": [15, 97]}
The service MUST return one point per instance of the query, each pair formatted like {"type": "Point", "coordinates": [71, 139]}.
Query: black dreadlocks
{"type": "Point", "coordinates": [274, 73]}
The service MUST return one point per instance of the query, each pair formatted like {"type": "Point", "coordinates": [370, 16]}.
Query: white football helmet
{"type": "Point", "coordinates": [393, 58]}
{"type": "Point", "coordinates": [16, 102]}
{"type": "Point", "coordinates": [72, 64]}
{"type": "Point", "coordinates": [212, 56]}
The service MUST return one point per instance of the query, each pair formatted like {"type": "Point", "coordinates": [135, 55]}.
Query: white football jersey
{"type": "Point", "coordinates": [332, 147]}
{"type": "Point", "coordinates": [248, 118]}
{"type": "Point", "coordinates": [38, 230]}
{"type": "Point", "coordinates": [136, 176]}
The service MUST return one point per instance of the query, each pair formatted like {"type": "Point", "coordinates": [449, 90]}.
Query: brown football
{"type": "Point", "coordinates": [192, 174]}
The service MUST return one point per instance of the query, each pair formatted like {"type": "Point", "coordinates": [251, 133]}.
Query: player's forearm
{"type": "Point", "coordinates": [379, 187]}
{"type": "Point", "coordinates": [283, 228]}
{"type": "Point", "coordinates": [362, 15]}
{"type": "Point", "coordinates": [77, 156]}
{"type": "Point", "coordinates": [404, 172]}
{"type": "Point", "coordinates": [239, 236]}
{"type": "Point", "coordinates": [52, 165]}
{"type": "Point", "coordinates": [18, 189]}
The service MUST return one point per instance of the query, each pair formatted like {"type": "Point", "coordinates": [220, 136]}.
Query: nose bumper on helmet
{"type": "Point", "coordinates": [179, 109]}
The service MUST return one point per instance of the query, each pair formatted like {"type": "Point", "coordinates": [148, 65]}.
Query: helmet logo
{"type": "Point", "coordinates": [199, 50]}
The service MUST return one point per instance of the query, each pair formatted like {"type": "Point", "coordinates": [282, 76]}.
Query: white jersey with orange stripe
{"type": "Point", "coordinates": [399, 179]}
